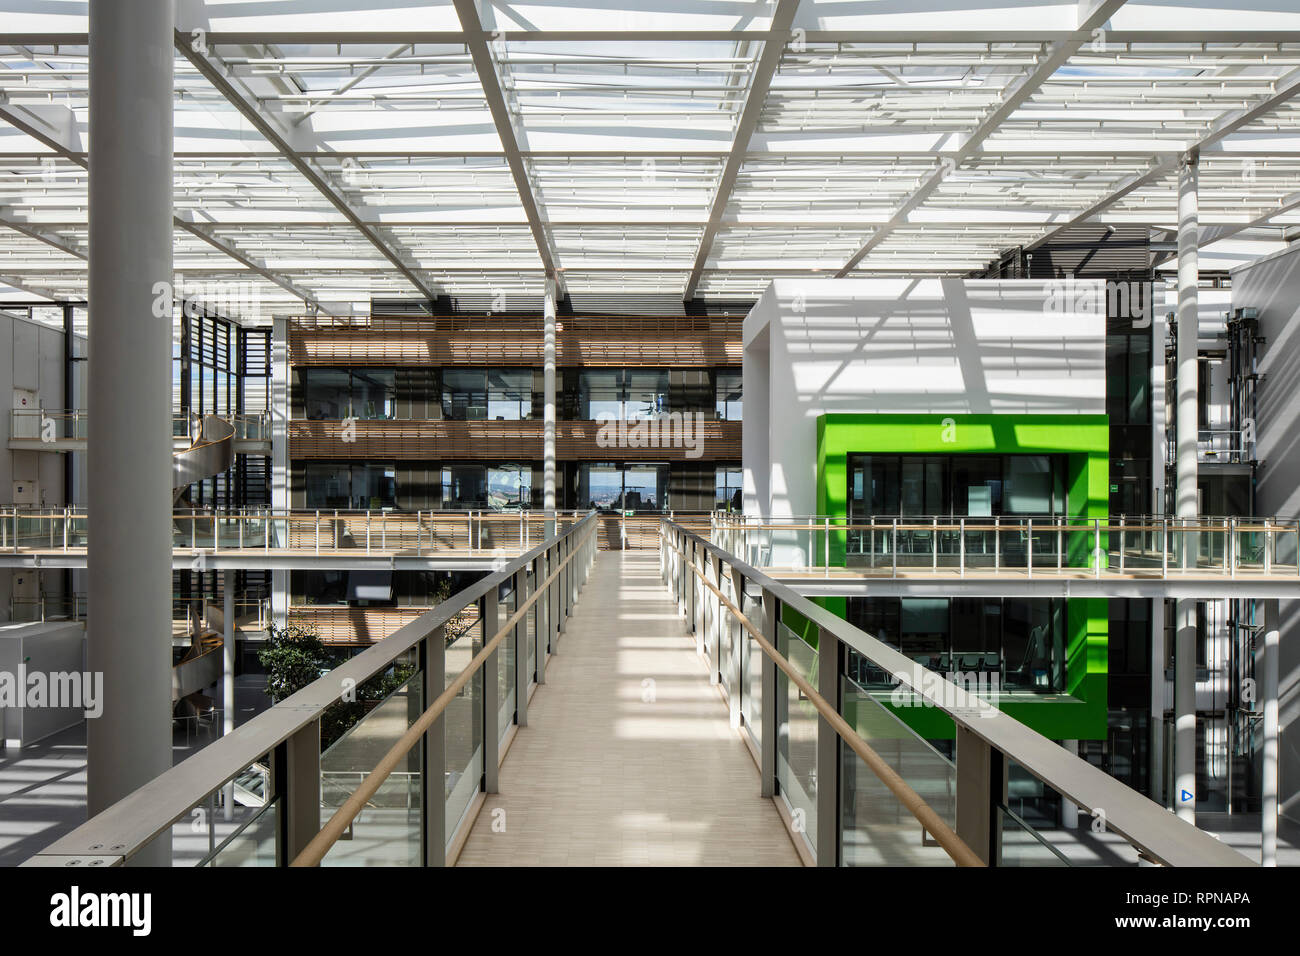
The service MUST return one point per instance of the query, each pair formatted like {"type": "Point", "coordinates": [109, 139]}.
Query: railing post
{"type": "Point", "coordinates": [826, 547]}
{"type": "Point", "coordinates": [828, 751]}
{"type": "Point", "coordinates": [894, 547]}
{"type": "Point", "coordinates": [997, 544]}
{"type": "Point", "coordinates": [520, 638]}
{"type": "Point", "coordinates": [767, 699]}
{"type": "Point", "coordinates": [1096, 546]}
{"type": "Point", "coordinates": [934, 546]}
{"type": "Point", "coordinates": [1164, 547]}
{"type": "Point", "coordinates": [318, 531]}
{"type": "Point", "coordinates": [65, 529]}
{"type": "Point", "coordinates": [1121, 544]}
{"type": "Point", "coordinates": [295, 769]}
{"type": "Point", "coordinates": [981, 787]}
{"type": "Point", "coordinates": [739, 638]}
{"type": "Point", "coordinates": [541, 633]}
{"type": "Point", "coordinates": [489, 615]}
{"type": "Point", "coordinates": [433, 752]}
{"type": "Point", "coordinates": [715, 630]}
{"type": "Point", "coordinates": [561, 588]}
{"type": "Point", "coordinates": [690, 597]}
{"type": "Point", "coordinates": [1230, 552]}
{"type": "Point", "coordinates": [1029, 547]}
{"type": "Point", "coordinates": [961, 547]}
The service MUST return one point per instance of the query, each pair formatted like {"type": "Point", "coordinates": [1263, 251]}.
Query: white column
{"type": "Point", "coordinates": [280, 501]}
{"type": "Point", "coordinates": [1184, 795]}
{"type": "Point", "coordinates": [1269, 777]}
{"type": "Point", "coordinates": [548, 414]}
{"type": "Point", "coordinates": [129, 454]}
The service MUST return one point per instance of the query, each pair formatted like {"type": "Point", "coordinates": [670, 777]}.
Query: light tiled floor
{"type": "Point", "coordinates": [628, 758]}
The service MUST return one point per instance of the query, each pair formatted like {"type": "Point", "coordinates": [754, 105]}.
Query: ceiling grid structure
{"type": "Point", "coordinates": [327, 156]}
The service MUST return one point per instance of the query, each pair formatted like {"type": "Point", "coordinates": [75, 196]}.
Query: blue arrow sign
{"type": "Point", "coordinates": [1186, 796]}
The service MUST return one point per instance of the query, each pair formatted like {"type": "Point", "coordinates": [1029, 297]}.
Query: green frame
{"type": "Point", "coordinates": [1085, 441]}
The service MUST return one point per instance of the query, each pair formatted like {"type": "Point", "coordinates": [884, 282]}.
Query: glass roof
{"type": "Point", "coordinates": [327, 154]}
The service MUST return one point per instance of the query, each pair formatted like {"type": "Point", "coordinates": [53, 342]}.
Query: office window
{"type": "Point", "coordinates": [509, 394]}
{"type": "Point", "coordinates": [629, 394]}
{"type": "Point", "coordinates": [509, 486]}
{"type": "Point", "coordinates": [729, 485]}
{"type": "Point", "coordinates": [333, 394]}
{"type": "Point", "coordinates": [623, 487]}
{"type": "Point", "coordinates": [728, 395]}
{"type": "Point", "coordinates": [464, 486]}
{"type": "Point", "coordinates": [1021, 642]}
{"type": "Point", "coordinates": [956, 485]}
{"type": "Point", "coordinates": [351, 486]}
{"type": "Point", "coordinates": [464, 394]}
{"type": "Point", "coordinates": [502, 395]}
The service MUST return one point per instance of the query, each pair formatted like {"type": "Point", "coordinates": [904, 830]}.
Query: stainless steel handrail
{"type": "Point", "coordinates": [126, 827]}
{"type": "Point", "coordinates": [1158, 834]}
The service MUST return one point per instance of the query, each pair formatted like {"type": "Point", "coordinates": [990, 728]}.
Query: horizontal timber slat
{"type": "Point", "coordinates": [447, 440]}
{"type": "Point", "coordinates": [679, 341]}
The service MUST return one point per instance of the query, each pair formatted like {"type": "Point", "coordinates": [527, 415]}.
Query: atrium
{"type": "Point", "coordinates": [744, 433]}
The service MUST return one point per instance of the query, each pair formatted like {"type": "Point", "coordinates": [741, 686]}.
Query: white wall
{"type": "Point", "coordinates": [31, 358]}
{"type": "Point", "coordinates": [47, 649]}
{"type": "Point", "coordinates": [907, 345]}
{"type": "Point", "coordinates": [1272, 286]}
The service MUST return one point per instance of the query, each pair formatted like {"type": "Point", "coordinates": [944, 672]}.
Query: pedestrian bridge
{"type": "Point", "coordinates": [622, 707]}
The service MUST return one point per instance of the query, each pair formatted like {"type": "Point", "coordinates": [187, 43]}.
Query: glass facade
{"type": "Point", "coordinates": [729, 488]}
{"type": "Point", "coordinates": [333, 394]}
{"type": "Point", "coordinates": [487, 394]}
{"type": "Point", "coordinates": [1020, 641]}
{"type": "Point", "coordinates": [351, 485]}
{"type": "Point", "coordinates": [956, 485]}
{"type": "Point", "coordinates": [727, 394]}
{"type": "Point", "coordinates": [626, 393]}
{"type": "Point", "coordinates": [623, 487]}
{"type": "Point", "coordinates": [499, 487]}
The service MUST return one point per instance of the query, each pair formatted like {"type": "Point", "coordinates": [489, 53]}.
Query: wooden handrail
{"type": "Point", "coordinates": [935, 825]}
{"type": "Point", "coordinates": [320, 844]}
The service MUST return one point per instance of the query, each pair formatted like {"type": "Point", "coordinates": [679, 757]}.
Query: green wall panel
{"type": "Point", "coordinates": [1085, 440]}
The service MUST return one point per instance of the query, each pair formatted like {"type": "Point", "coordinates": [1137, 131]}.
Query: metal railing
{"type": "Point", "coordinates": [1224, 445]}
{"type": "Point", "coordinates": [1023, 545]}
{"type": "Point", "coordinates": [854, 782]}
{"type": "Point", "coordinates": [443, 720]}
{"type": "Point", "coordinates": [73, 607]}
{"type": "Point", "coordinates": [53, 425]}
{"type": "Point", "coordinates": [321, 530]}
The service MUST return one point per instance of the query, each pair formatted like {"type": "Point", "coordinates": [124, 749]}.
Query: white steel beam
{"type": "Point", "coordinates": [1016, 94]}
{"type": "Point", "coordinates": [215, 71]}
{"type": "Point", "coordinates": [755, 98]}
{"type": "Point", "coordinates": [476, 39]}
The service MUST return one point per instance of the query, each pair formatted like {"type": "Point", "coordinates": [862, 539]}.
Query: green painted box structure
{"type": "Point", "coordinates": [1084, 440]}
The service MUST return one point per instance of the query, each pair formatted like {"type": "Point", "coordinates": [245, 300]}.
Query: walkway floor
{"type": "Point", "coordinates": [628, 757]}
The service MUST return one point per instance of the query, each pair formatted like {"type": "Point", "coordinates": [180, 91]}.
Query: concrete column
{"type": "Point", "coordinates": [279, 455]}
{"type": "Point", "coordinates": [1188, 332]}
{"type": "Point", "coordinates": [548, 408]}
{"type": "Point", "coordinates": [1269, 778]}
{"type": "Point", "coordinates": [1184, 795]}
{"type": "Point", "coordinates": [228, 671]}
{"type": "Point", "coordinates": [129, 452]}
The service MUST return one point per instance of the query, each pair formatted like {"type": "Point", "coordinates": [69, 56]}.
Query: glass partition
{"type": "Point", "coordinates": [876, 828]}
{"type": "Point", "coordinates": [387, 831]}
{"type": "Point", "coordinates": [796, 728]}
